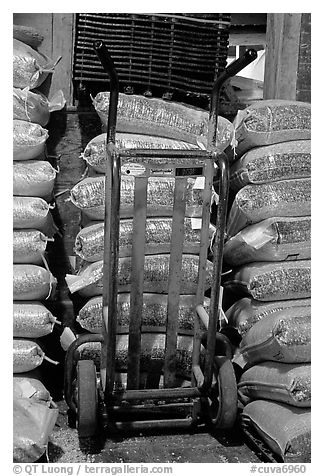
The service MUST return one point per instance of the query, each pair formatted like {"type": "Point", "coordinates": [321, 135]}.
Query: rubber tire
{"type": "Point", "coordinates": [87, 398]}
{"type": "Point", "coordinates": [223, 405]}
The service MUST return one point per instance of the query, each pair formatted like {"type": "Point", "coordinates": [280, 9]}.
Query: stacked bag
{"type": "Point", "coordinates": [33, 283]}
{"type": "Point", "coordinates": [142, 123]}
{"type": "Point", "coordinates": [268, 247]}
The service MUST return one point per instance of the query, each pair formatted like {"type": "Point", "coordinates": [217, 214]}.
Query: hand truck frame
{"type": "Point", "coordinates": [212, 397]}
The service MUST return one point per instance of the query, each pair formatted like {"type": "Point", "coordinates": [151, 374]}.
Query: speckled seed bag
{"type": "Point", "coordinates": [88, 282]}
{"type": "Point", "coordinates": [30, 67]}
{"type": "Point", "coordinates": [95, 152]}
{"type": "Point", "coordinates": [28, 140]}
{"type": "Point", "coordinates": [32, 106]}
{"type": "Point", "coordinates": [28, 35]}
{"type": "Point", "coordinates": [154, 311]}
{"type": "Point", "coordinates": [156, 117]}
{"type": "Point", "coordinates": [254, 203]}
{"type": "Point", "coordinates": [89, 196]}
{"type": "Point", "coordinates": [286, 429]}
{"type": "Point", "coordinates": [282, 337]}
{"type": "Point", "coordinates": [152, 352]}
{"type": "Point", "coordinates": [271, 122]}
{"type": "Point", "coordinates": [272, 281]}
{"type": "Point", "coordinates": [89, 242]}
{"type": "Point", "coordinates": [31, 319]}
{"type": "Point", "coordinates": [32, 282]}
{"type": "Point", "coordinates": [33, 178]}
{"type": "Point", "coordinates": [273, 239]}
{"type": "Point", "coordinates": [287, 383]}
{"type": "Point", "coordinates": [284, 161]}
{"type": "Point", "coordinates": [33, 212]}
{"type": "Point", "coordinates": [27, 355]}
{"type": "Point", "coordinates": [29, 246]}
{"type": "Point", "coordinates": [245, 312]}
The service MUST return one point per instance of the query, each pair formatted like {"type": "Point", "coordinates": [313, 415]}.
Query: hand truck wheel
{"type": "Point", "coordinates": [87, 398]}
{"type": "Point", "coordinates": [222, 401]}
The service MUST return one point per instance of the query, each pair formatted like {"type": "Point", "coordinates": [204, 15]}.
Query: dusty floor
{"type": "Point", "coordinates": [201, 447]}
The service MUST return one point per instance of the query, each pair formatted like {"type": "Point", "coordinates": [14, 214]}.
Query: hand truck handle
{"type": "Point", "coordinates": [218, 246]}
{"type": "Point", "coordinates": [231, 70]}
{"type": "Point", "coordinates": [109, 67]}
{"type": "Point", "coordinates": [112, 216]}
{"type": "Point", "coordinates": [241, 62]}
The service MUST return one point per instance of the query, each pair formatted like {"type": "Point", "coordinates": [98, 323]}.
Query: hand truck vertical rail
{"type": "Point", "coordinates": [212, 396]}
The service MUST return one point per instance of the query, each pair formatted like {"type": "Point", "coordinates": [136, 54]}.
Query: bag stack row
{"type": "Point", "coordinates": [268, 248]}
{"type": "Point", "coordinates": [33, 283]}
{"type": "Point", "coordinates": [142, 123]}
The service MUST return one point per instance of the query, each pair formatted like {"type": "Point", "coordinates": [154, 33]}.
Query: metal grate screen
{"type": "Point", "coordinates": [161, 53]}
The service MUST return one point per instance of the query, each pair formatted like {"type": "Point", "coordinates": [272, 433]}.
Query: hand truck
{"type": "Point", "coordinates": [211, 397]}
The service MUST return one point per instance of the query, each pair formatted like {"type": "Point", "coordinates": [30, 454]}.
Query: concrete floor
{"type": "Point", "coordinates": [171, 447]}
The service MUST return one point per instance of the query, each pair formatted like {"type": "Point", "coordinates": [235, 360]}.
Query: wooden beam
{"type": "Point", "coordinates": [282, 55]}
{"type": "Point", "coordinates": [304, 65]}
{"type": "Point", "coordinates": [63, 41]}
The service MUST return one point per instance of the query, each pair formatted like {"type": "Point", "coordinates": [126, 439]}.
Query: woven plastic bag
{"type": "Point", "coordinates": [282, 337]}
{"type": "Point", "coordinates": [154, 312]}
{"type": "Point", "coordinates": [287, 383]}
{"type": "Point", "coordinates": [30, 67]}
{"type": "Point", "coordinates": [156, 117]}
{"type": "Point", "coordinates": [89, 196]}
{"type": "Point", "coordinates": [283, 161]}
{"type": "Point", "coordinates": [89, 242]}
{"type": "Point", "coordinates": [245, 312]}
{"type": "Point", "coordinates": [28, 140]}
{"type": "Point", "coordinates": [284, 428]}
{"type": "Point", "coordinates": [33, 212]}
{"type": "Point", "coordinates": [33, 178]}
{"type": "Point", "coordinates": [33, 106]}
{"type": "Point", "coordinates": [32, 424]}
{"type": "Point", "coordinates": [32, 388]}
{"type": "Point", "coordinates": [29, 246]}
{"type": "Point", "coordinates": [273, 239]}
{"type": "Point", "coordinates": [31, 319]}
{"type": "Point", "coordinates": [95, 152]}
{"type": "Point", "coordinates": [32, 282]}
{"type": "Point", "coordinates": [28, 35]}
{"type": "Point", "coordinates": [152, 353]}
{"type": "Point", "coordinates": [254, 203]}
{"type": "Point", "coordinates": [89, 283]}
{"type": "Point", "coordinates": [272, 281]}
{"type": "Point", "coordinates": [271, 121]}
{"type": "Point", "coordinates": [27, 355]}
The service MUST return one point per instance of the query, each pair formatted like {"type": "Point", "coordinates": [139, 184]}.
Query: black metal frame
{"type": "Point", "coordinates": [201, 382]}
